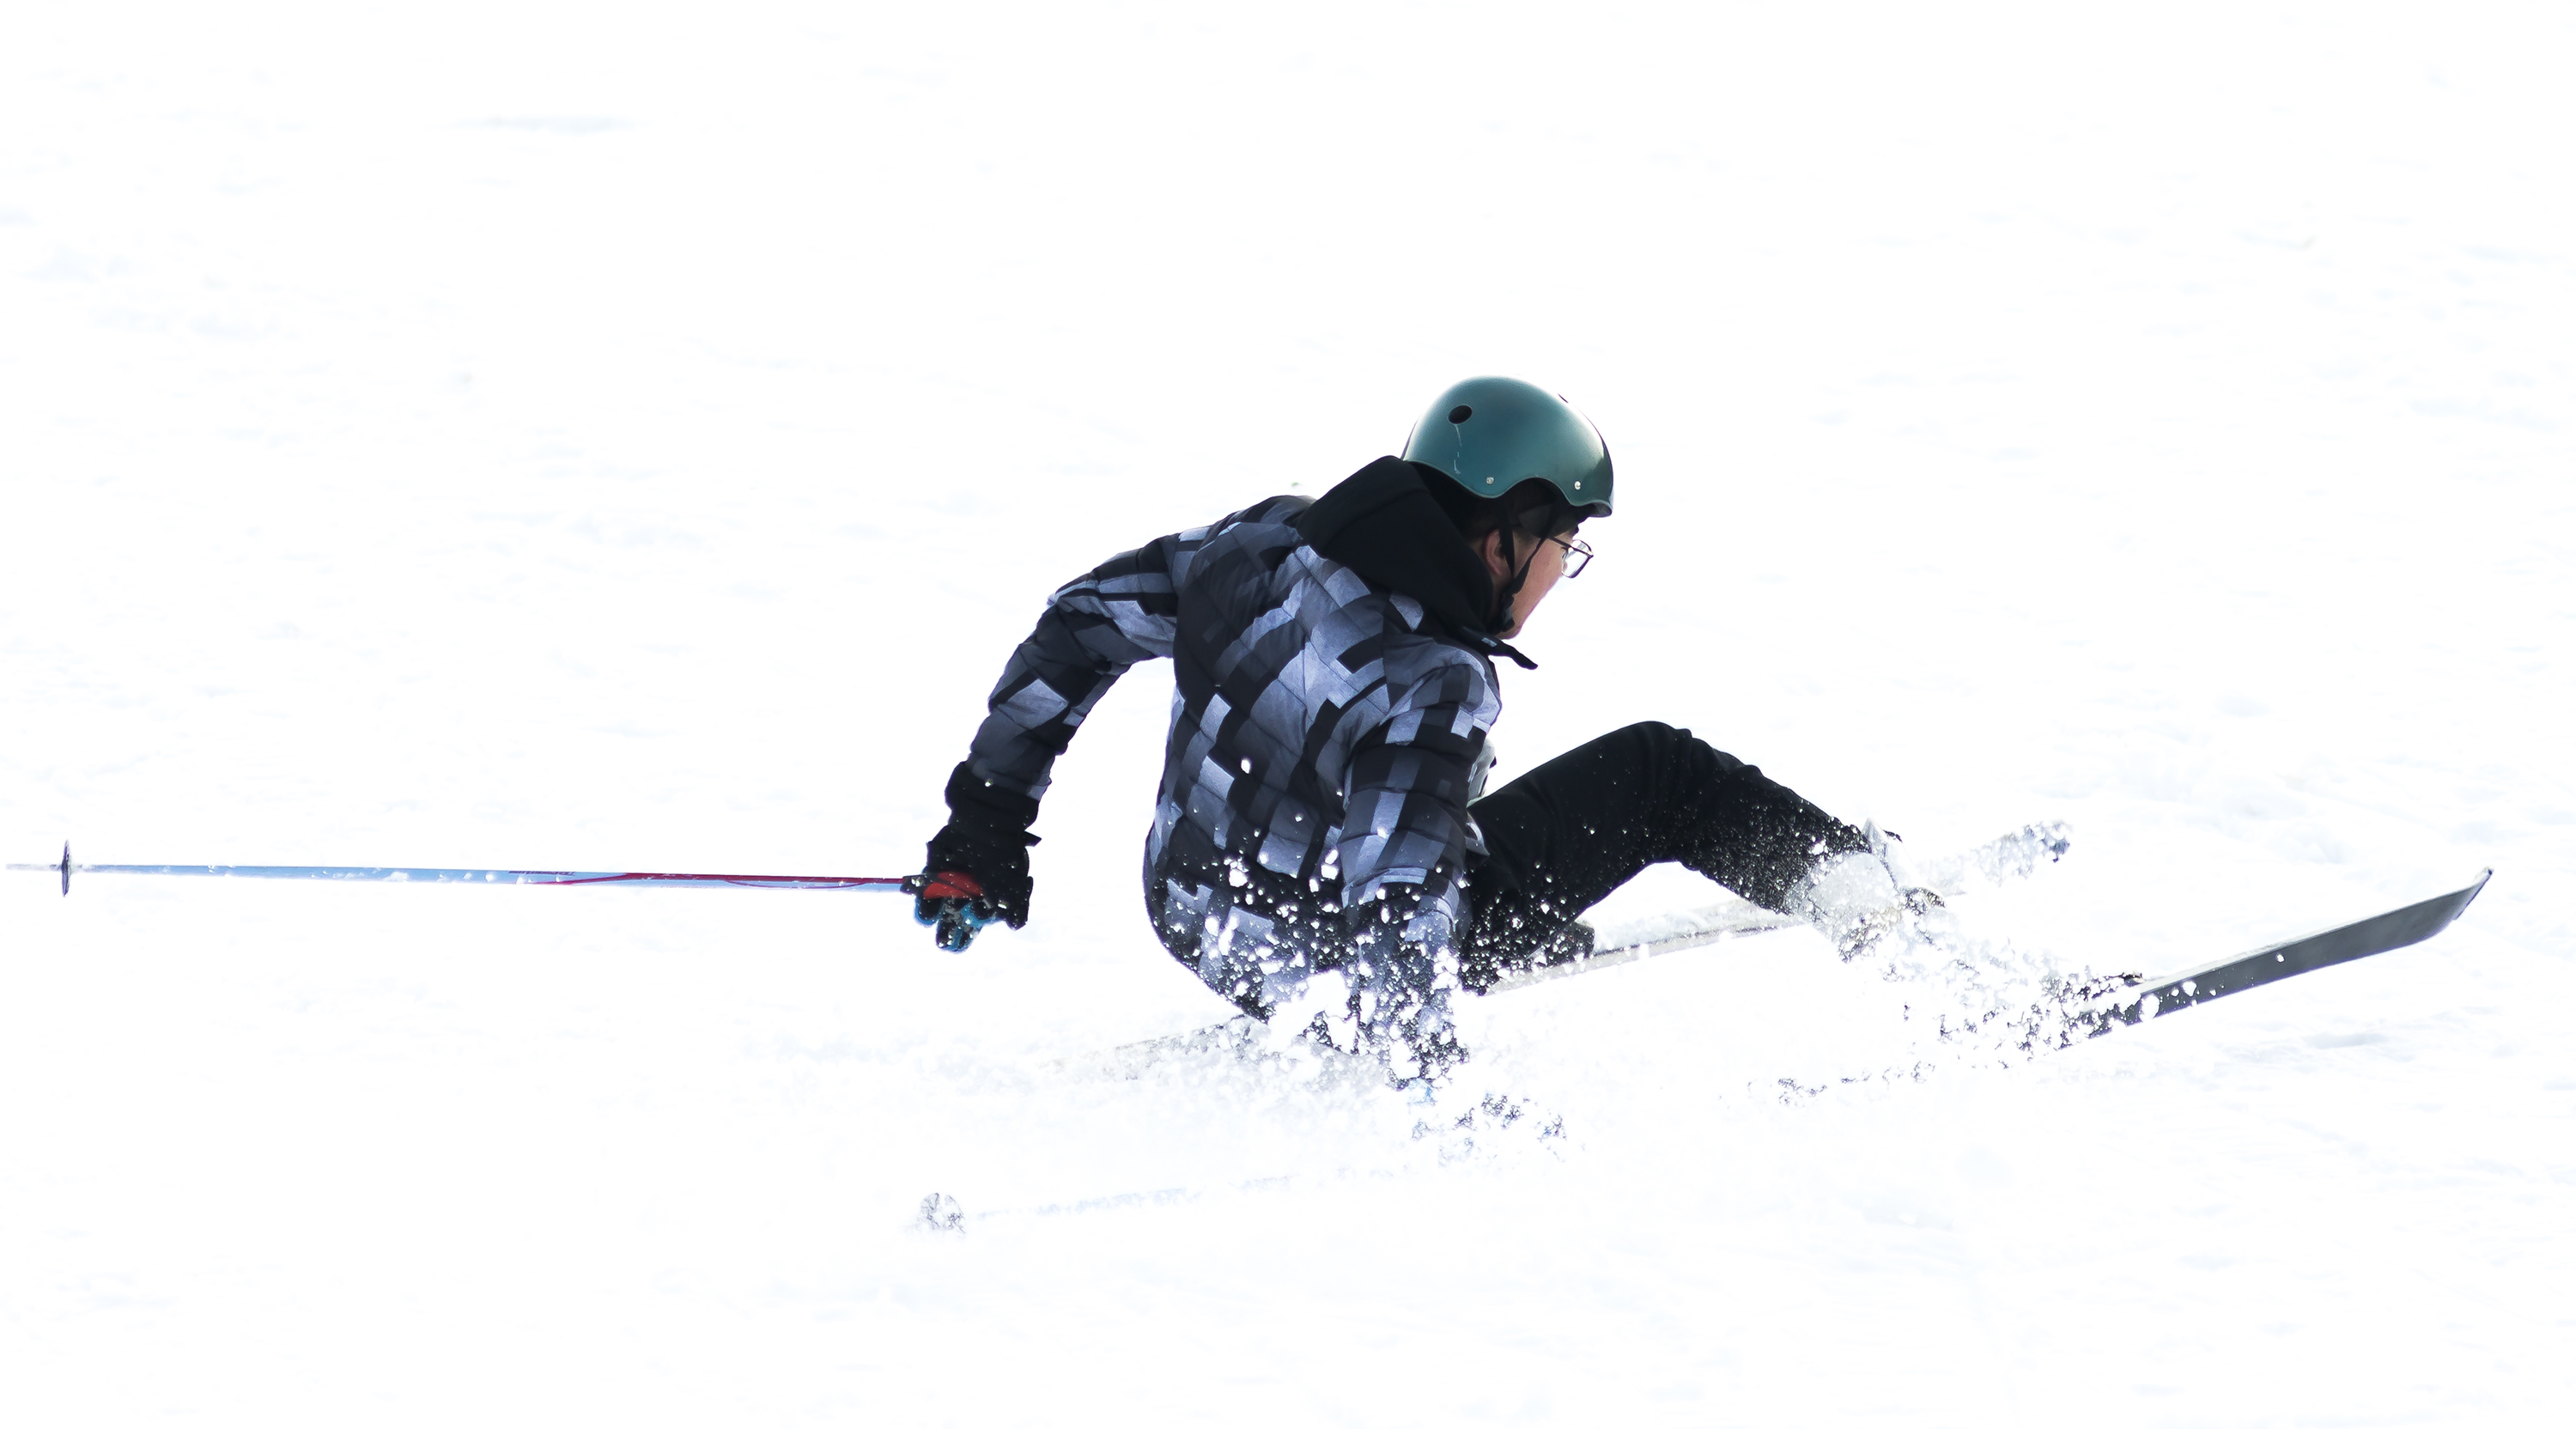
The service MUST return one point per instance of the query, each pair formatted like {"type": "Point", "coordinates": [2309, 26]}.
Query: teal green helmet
{"type": "Point", "coordinates": [1490, 434]}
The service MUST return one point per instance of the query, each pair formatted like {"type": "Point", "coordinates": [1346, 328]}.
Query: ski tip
{"type": "Point", "coordinates": [2475, 889]}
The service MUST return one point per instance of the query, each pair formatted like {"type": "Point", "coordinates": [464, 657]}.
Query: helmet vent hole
{"type": "Point", "coordinates": [1460, 414]}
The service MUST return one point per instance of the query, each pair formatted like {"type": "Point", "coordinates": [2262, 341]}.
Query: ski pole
{"type": "Point", "coordinates": [913, 884]}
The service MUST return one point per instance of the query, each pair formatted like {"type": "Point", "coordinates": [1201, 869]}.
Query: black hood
{"type": "Point", "coordinates": [1383, 523]}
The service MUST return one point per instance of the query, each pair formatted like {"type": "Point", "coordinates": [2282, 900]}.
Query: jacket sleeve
{"type": "Point", "coordinates": [1404, 836]}
{"type": "Point", "coordinates": [1093, 629]}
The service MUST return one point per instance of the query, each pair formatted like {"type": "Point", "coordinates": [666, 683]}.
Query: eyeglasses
{"type": "Point", "coordinates": [1578, 554]}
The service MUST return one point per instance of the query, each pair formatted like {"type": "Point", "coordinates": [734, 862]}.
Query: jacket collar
{"type": "Point", "coordinates": [1383, 524]}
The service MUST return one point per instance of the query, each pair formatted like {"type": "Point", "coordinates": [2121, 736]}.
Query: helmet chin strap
{"type": "Point", "coordinates": [1501, 618]}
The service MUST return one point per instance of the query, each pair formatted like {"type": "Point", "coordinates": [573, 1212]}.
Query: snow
{"type": "Point", "coordinates": [583, 437]}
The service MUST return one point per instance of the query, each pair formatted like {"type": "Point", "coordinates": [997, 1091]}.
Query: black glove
{"type": "Point", "coordinates": [977, 871]}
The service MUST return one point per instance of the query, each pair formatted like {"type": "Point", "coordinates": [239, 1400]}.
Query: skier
{"type": "Point", "coordinates": [1323, 804]}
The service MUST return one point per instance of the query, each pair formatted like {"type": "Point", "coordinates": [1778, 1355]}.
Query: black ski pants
{"type": "Point", "coordinates": [1563, 836]}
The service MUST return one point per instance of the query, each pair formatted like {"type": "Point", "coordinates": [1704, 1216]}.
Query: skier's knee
{"type": "Point", "coordinates": [1668, 747]}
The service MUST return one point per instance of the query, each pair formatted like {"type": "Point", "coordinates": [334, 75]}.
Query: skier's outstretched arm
{"type": "Point", "coordinates": [1093, 629]}
{"type": "Point", "coordinates": [1403, 853]}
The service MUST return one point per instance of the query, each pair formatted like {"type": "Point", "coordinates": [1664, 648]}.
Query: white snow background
{"type": "Point", "coordinates": [632, 437]}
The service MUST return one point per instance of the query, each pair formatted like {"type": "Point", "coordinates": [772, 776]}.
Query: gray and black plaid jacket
{"type": "Point", "coordinates": [1324, 737]}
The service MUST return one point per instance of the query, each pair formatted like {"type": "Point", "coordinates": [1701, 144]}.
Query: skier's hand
{"type": "Point", "coordinates": [1403, 970]}
{"type": "Point", "coordinates": [977, 873]}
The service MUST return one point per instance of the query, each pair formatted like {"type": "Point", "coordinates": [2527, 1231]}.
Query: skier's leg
{"type": "Point", "coordinates": [1563, 836]}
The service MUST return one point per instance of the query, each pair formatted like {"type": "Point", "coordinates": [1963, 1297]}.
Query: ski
{"type": "Point", "coordinates": [2386, 932]}
{"type": "Point", "coordinates": [1673, 933]}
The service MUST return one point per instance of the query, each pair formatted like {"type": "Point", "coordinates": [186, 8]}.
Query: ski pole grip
{"type": "Point", "coordinates": [949, 884]}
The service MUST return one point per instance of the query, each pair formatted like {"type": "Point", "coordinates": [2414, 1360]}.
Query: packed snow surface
{"type": "Point", "coordinates": [538, 436]}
